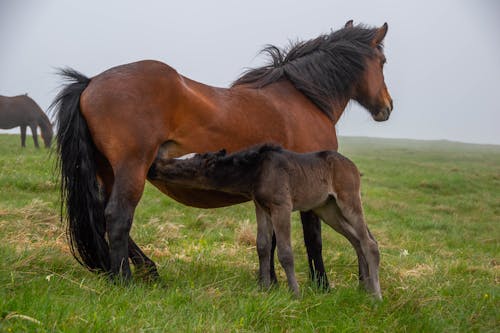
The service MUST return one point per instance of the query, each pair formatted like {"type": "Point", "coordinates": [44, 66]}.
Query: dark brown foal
{"type": "Point", "coordinates": [279, 182]}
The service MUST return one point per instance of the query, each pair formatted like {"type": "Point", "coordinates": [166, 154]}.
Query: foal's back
{"type": "Point", "coordinates": [305, 181]}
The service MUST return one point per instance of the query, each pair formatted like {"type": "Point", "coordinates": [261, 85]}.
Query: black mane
{"type": "Point", "coordinates": [245, 158]}
{"type": "Point", "coordinates": [324, 69]}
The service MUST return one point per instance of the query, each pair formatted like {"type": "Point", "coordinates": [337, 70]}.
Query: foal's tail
{"type": "Point", "coordinates": [79, 188]}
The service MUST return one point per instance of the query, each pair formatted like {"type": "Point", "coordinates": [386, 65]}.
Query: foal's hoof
{"type": "Point", "coordinates": [376, 294]}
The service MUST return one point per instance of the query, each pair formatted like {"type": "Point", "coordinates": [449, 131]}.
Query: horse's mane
{"type": "Point", "coordinates": [323, 69]}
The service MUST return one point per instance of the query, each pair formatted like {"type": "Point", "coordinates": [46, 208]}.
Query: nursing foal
{"type": "Point", "coordinates": [279, 182]}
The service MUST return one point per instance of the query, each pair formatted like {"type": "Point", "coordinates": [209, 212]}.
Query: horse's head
{"type": "Point", "coordinates": [371, 91]}
{"type": "Point", "coordinates": [47, 134]}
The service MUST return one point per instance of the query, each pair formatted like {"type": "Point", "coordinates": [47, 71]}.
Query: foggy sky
{"type": "Point", "coordinates": [443, 68]}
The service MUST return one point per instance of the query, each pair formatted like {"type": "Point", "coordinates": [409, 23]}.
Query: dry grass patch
{"type": "Point", "coordinates": [245, 234]}
{"type": "Point", "coordinates": [418, 271]}
{"type": "Point", "coordinates": [34, 226]}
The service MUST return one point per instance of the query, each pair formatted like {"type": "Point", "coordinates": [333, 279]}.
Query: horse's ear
{"type": "Point", "coordinates": [380, 34]}
{"type": "Point", "coordinates": [348, 24]}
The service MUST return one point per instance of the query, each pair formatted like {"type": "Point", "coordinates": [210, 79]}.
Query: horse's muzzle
{"type": "Point", "coordinates": [384, 113]}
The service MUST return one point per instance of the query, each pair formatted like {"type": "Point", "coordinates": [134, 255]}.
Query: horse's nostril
{"type": "Point", "coordinates": [392, 106]}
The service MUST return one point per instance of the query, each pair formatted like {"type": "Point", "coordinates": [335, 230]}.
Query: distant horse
{"type": "Point", "coordinates": [23, 111]}
{"type": "Point", "coordinates": [279, 182]}
{"type": "Point", "coordinates": [112, 126]}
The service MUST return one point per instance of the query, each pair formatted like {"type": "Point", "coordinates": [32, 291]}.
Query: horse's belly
{"type": "Point", "coordinates": [199, 198]}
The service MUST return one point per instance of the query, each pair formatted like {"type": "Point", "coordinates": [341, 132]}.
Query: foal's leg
{"type": "Point", "coordinates": [332, 216]}
{"type": "Point", "coordinates": [264, 235]}
{"type": "Point", "coordinates": [280, 217]}
{"type": "Point", "coordinates": [346, 217]}
{"type": "Point", "coordinates": [311, 226]}
{"type": "Point", "coordinates": [23, 136]}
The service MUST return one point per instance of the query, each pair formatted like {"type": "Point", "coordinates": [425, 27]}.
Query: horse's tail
{"type": "Point", "coordinates": [79, 187]}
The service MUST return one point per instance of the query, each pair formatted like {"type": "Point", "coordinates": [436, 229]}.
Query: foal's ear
{"type": "Point", "coordinates": [380, 34]}
{"type": "Point", "coordinates": [348, 24]}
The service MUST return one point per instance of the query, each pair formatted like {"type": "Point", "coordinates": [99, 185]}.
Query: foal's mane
{"type": "Point", "coordinates": [324, 69]}
{"type": "Point", "coordinates": [241, 166]}
{"type": "Point", "coordinates": [245, 158]}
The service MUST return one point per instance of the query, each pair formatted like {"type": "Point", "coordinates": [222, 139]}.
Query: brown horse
{"type": "Point", "coordinates": [279, 182]}
{"type": "Point", "coordinates": [23, 111]}
{"type": "Point", "coordinates": [112, 126]}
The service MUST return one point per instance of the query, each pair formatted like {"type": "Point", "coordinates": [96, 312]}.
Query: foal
{"type": "Point", "coordinates": [279, 182]}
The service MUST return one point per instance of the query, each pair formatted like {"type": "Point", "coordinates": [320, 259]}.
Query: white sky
{"type": "Point", "coordinates": [443, 68]}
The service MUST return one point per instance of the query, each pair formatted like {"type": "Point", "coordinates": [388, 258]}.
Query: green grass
{"type": "Point", "coordinates": [434, 207]}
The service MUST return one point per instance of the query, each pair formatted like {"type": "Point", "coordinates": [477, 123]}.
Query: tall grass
{"type": "Point", "coordinates": [434, 207]}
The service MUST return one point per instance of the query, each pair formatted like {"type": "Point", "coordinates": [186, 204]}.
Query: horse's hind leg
{"type": "Point", "coordinates": [144, 266]}
{"type": "Point", "coordinates": [311, 226]}
{"type": "Point", "coordinates": [272, 270]}
{"type": "Point", "coordinates": [127, 190]}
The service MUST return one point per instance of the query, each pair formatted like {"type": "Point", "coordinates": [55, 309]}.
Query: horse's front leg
{"type": "Point", "coordinates": [311, 226]}
{"type": "Point", "coordinates": [34, 134]}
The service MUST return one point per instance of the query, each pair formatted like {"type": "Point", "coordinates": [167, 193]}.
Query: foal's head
{"type": "Point", "coordinates": [188, 170]}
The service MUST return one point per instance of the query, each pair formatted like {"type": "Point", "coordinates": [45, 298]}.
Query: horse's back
{"type": "Point", "coordinates": [125, 107]}
{"type": "Point", "coordinates": [18, 110]}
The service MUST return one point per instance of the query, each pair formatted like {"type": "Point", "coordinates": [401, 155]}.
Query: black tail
{"type": "Point", "coordinates": [79, 188]}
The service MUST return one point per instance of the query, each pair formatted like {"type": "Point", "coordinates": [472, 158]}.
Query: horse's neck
{"type": "Point", "coordinates": [44, 123]}
{"type": "Point", "coordinates": [285, 90]}
{"type": "Point", "coordinates": [338, 109]}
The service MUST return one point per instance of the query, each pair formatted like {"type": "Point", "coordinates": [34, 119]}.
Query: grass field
{"type": "Point", "coordinates": [434, 208]}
